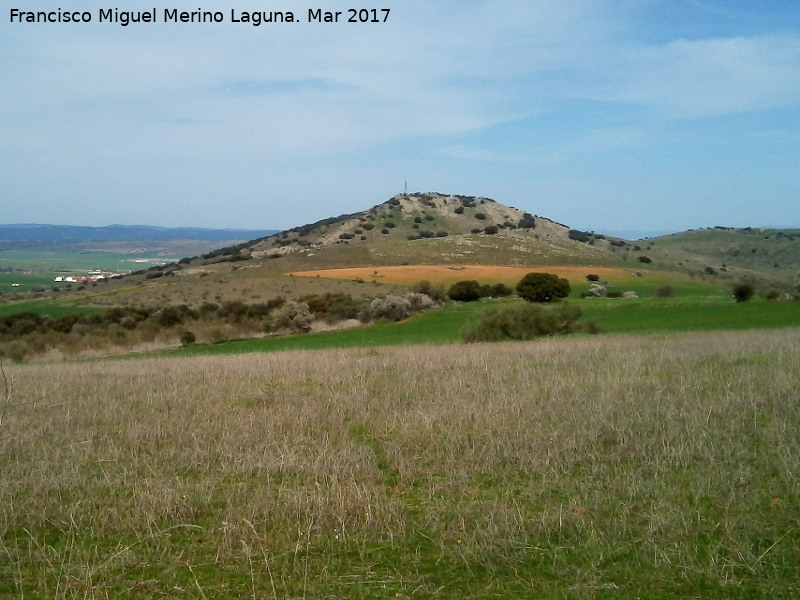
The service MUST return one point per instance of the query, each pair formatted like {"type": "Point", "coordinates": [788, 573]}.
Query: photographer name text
{"type": "Point", "coordinates": [125, 18]}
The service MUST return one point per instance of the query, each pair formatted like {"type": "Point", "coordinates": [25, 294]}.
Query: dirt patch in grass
{"type": "Point", "coordinates": [411, 274]}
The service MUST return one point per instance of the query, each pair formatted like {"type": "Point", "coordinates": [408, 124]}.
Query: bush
{"type": "Point", "coordinates": [665, 291]}
{"type": "Point", "coordinates": [436, 292]}
{"type": "Point", "coordinates": [579, 236]}
{"type": "Point", "coordinates": [294, 316]}
{"type": "Point", "coordinates": [645, 260]}
{"type": "Point", "coordinates": [188, 338]}
{"type": "Point", "coordinates": [465, 291]}
{"type": "Point", "coordinates": [525, 321]}
{"type": "Point", "coordinates": [495, 291]}
{"type": "Point", "coordinates": [393, 308]}
{"type": "Point", "coordinates": [16, 351]}
{"type": "Point", "coordinates": [543, 287]}
{"type": "Point", "coordinates": [419, 302]}
{"type": "Point", "coordinates": [332, 307]}
{"type": "Point", "coordinates": [169, 316]}
{"type": "Point", "coordinates": [491, 229]}
{"type": "Point", "coordinates": [595, 291]}
{"type": "Point", "coordinates": [592, 277]}
{"type": "Point", "coordinates": [743, 292]}
{"type": "Point", "coordinates": [500, 290]}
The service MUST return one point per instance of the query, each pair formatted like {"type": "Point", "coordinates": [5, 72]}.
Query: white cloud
{"type": "Point", "coordinates": [181, 111]}
{"type": "Point", "coordinates": [707, 78]}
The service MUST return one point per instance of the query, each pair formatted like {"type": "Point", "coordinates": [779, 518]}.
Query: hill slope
{"type": "Point", "coordinates": [771, 252]}
{"type": "Point", "coordinates": [434, 228]}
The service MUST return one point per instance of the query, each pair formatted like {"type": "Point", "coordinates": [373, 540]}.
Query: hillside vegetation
{"type": "Point", "coordinates": [429, 229]}
{"type": "Point", "coordinates": [775, 253]}
{"type": "Point", "coordinates": [658, 467]}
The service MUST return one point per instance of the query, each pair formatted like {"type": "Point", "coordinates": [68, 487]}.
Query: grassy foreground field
{"type": "Point", "coordinates": [623, 467]}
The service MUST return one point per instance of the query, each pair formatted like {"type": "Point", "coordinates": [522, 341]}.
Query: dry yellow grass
{"type": "Point", "coordinates": [412, 274]}
{"type": "Point", "coordinates": [559, 468]}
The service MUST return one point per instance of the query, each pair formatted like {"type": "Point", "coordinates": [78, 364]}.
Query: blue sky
{"type": "Point", "coordinates": [642, 115]}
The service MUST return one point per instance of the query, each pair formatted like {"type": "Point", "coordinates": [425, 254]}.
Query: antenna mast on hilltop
{"type": "Point", "coordinates": [405, 188]}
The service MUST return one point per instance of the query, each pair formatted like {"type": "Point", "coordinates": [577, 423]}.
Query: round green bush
{"type": "Point", "coordinates": [543, 287]}
{"type": "Point", "coordinates": [465, 291]}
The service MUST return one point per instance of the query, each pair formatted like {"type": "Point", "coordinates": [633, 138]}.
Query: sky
{"type": "Point", "coordinates": [607, 116]}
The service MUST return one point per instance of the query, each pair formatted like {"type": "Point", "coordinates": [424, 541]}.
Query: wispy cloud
{"type": "Point", "coordinates": [693, 79]}
{"type": "Point", "coordinates": [191, 112]}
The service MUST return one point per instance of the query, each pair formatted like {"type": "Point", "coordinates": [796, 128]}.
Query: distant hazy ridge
{"type": "Point", "coordinates": [27, 234]}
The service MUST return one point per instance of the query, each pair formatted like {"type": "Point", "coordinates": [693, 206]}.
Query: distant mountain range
{"type": "Point", "coordinates": [58, 235]}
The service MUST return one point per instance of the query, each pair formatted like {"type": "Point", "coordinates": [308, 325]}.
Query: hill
{"type": "Point", "coordinates": [450, 231]}
{"type": "Point", "coordinates": [771, 252]}
{"type": "Point", "coordinates": [432, 228]}
{"type": "Point", "coordinates": [419, 228]}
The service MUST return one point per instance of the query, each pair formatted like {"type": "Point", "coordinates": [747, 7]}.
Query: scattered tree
{"type": "Point", "coordinates": [465, 291]}
{"type": "Point", "coordinates": [543, 287]}
{"type": "Point", "coordinates": [743, 292]}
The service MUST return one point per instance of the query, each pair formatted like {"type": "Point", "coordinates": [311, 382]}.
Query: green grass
{"type": "Point", "coordinates": [444, 325]}
{"type": "Point", "coordinates": [27, 282]}
{"type": "Point", "coordinates": [621, 467]}
{"type": "Point", "coordinates": [648, 286]}
{"type": "Point", "coordinates": [70, 259]}
{"type": "Point", "coordinates": [646, 316]}
{"type": "Point", "coordinates": [441, 326]}
{"type": "Point", "coordinates": [50, 309]}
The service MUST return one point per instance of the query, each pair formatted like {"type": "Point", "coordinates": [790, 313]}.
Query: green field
{"type": "Point", "coordinates": [117, 257]}
{"type": "Point", "coordinates": [73, 259]}
{"type": "Point", "coordinates": [654, 316]}
{"type": "Point", "coordinates": [53, 310]}
{"type": "Point", "coordinates": [27, 282]}
{"type": "Point", "coordinates": [444, 325]}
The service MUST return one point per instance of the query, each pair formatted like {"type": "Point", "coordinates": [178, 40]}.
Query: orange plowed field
{"type": "Point", "coordinates": [411, 274]}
